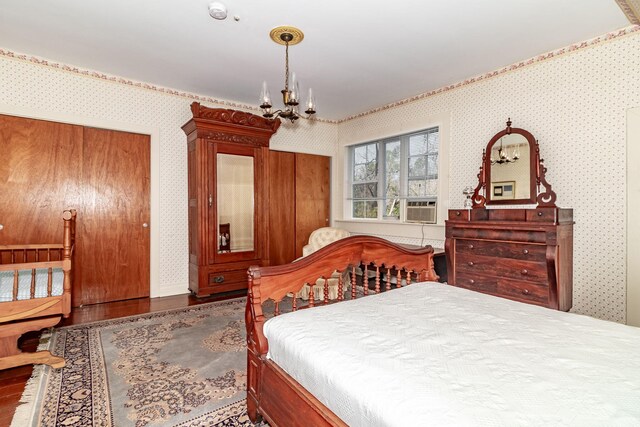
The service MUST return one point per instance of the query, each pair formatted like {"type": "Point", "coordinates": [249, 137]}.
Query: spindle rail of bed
{"type": "Point", "coordinates": [19, 316]}
{"type": "Point", "coordinates": [271, 393]}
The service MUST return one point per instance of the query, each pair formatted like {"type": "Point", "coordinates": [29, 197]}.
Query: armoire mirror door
{"type": "Point", "coordinates": [232, 207]}
{"type": "Point", "coordinates": [235, 206]}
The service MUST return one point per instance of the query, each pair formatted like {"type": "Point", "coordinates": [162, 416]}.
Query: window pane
{"type": "Point", "coordinates": [417, 144]}
{"type": "Point", "coordinates": [417, 166]}
{"type": "Point", "coordinates": [365, 209]}
{"type": "Point", "coordinates": [372, 209]}
{"type": "Point", "coordinates": [392, 168]}
{"type": "Point", "coordinates": [392, 209]}
{"type": "Point", "coordinates": [423, 188]}
{"type": "Point", "coordinates": [365, 190]}
{"type": "Point", "coordinates": [359, 172]}
{"type": "Point", "coordinates": [358, 209]}
{"type": "Point", "coordinates": [365, 164]}
{"type": "Point", "coordinates": [432, 142]}
{"type": "Point", "coordinates": [432, 166]}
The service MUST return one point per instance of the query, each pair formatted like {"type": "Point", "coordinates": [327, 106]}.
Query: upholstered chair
{"type": "Point", "coordinates": [318, 239]}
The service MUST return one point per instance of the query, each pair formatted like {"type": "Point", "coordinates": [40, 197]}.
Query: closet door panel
{"type": "Point", "coordinates": [312, 196]}
{"type": "Point", "coordinates": [114, 239]}
{"type": "Point", "coordinates": [39, 174]}
{"type": "Point", "coordinates": [282, 217]}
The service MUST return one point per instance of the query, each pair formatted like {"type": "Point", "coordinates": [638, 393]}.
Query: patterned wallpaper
{"type": "Point", "coordinates": [573, 100]}
{"type": "Point", "coordinates": [575, 105]}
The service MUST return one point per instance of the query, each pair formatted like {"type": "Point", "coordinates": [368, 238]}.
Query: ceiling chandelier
{"type": "Point", "coordinates": [503, 157]}
{"type": "Point", "coordinates": [287, 36]}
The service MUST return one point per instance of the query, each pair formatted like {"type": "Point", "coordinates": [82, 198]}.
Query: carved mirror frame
{"type": "Point", "coordinates": [537, 171]}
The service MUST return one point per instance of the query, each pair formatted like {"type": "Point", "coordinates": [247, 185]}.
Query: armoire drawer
{"type": "Point", "coordinates": [227, 277]}
{"type": "Point", "coordinates": [502, 250]}
{"type": "Point", "coordinates": [530, 271]}
{"type": "Point", "coordinates": [529, 292]}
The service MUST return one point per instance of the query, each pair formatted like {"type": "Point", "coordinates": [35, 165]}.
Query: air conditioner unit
{"type": "Point", "coordinates": [421, 211]}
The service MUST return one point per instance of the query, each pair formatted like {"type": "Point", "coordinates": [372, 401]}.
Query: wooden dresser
{"type": "Point", "coordinates": [521, 254]}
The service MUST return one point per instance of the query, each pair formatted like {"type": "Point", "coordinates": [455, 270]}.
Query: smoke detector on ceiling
{"type": "Point", "coordinates": [217, 10]}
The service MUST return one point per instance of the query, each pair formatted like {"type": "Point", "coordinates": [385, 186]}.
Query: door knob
{"type": "Point", "coordinates": [1, 226]}
{"type": "Point", "coordinates": [145, 225]}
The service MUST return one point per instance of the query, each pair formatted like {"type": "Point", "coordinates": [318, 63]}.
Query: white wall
{"type": "Point", "coordinates": [575, 105]}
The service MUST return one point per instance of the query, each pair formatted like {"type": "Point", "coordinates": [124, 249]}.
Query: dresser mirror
{"type": "Point", "coordinates": [512, 171]}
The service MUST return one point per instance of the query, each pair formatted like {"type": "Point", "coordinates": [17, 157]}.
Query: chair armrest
{"type": "Point", "coordinates": [306, 250]}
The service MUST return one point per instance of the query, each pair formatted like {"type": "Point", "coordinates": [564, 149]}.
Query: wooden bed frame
{"type": "Point", "coordinates": [20, 316]}
{"type": "Point", "coordinates": [271, 393]}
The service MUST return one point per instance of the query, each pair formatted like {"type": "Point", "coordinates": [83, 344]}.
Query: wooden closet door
{"type": "Point", "coordinates": [282, 216]}
{"type": "Point", "coordinates": [114, 240]}
{"type": "Point", "coordinates": [40, 170]}
{"type": "Point", "coordinates": [313, 188]}
{"type": "Point", "coordinates": [48, 167]}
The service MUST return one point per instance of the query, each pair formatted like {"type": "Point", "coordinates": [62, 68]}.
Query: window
{"type": "Point", "coordinates": [386, 174]}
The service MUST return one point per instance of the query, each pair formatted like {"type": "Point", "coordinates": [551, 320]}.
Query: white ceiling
{"type": "Point", "coordinates": [357, 54]}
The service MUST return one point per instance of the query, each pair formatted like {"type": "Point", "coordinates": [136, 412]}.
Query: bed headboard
{"type": "Point", "coordinates": [275, 282]}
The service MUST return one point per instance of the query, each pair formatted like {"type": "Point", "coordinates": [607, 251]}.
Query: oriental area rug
{"type": "Point", "coordinates": [183, 367]}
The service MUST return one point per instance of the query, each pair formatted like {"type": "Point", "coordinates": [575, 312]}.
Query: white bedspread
{"type": "Point", "coordinates": [24, 284]}
{"type": "Point", "coordinates": [432, 354]}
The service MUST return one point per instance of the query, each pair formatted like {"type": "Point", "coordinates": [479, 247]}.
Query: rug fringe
{"type": "Point", "coordinates": [24, 413]}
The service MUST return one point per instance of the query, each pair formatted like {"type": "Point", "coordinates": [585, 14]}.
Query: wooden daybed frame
{"type": "Point", "coordinates": [271, 393]}
{"type": "Point", "coordinates": [20, 316]}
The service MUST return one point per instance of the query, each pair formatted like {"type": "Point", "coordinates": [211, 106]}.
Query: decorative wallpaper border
{"type": "Point", "coordinates": [631, 9]}
{"type": "Point", "coordinates": [542, 57]}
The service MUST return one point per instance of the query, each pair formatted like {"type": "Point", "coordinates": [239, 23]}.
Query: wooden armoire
{"type": "Point", "coordinates": [228, 161]}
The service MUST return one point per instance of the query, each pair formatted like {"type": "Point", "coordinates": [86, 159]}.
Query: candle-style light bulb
{"type": "Point", "coordinates": [265, 97]}
{"type": "Point", "coordinates": [294, 97]}
{"type": "Point", "coordinates": [311, 103]}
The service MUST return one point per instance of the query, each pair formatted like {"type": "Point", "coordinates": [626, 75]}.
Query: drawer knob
{"type": "Point", "coordinates": [525, 251]}
{"type": "Point", "coordinates": [470, 263]}
{"type": "Point", "coordinates": [472, 281]}
{"type": "Point", "coordinates": [525, 291]}
{"type": "Point", "coordinates": [458, 213]}
{"type": "Point", "coordinates": [539, 213]}
{"type": "Point", "coordinates": [525, 272]}
{"type": "Point", "coordinates": [218, 279]}
{"type": "Point", "coordinates": [470, 246]}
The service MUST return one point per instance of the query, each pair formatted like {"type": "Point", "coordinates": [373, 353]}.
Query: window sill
{"type": "Point", "coordinates": [393, 228]}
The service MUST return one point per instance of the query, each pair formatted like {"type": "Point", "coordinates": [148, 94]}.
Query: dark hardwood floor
{"type": "Point", "coordinates": [12, 381]}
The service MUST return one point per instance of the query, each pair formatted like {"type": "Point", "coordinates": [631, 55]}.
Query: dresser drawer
{"type": "Point", "coordinates": [530, 271]}
{"type": "Point", "coordinates": [513, 289]}
{"type": "Point", "coordinates": [527, 236]}
{"type": "Point", "coordinates": [502, 250]}
{"type": "Point", "coordinates": [541, 215]}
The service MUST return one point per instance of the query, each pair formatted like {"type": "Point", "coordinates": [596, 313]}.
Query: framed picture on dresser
{"type": "Point", "coordinates": [503, 190]}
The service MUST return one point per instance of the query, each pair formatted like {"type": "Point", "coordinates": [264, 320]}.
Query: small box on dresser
{"type": "Point", "coordinates": [521, 254]}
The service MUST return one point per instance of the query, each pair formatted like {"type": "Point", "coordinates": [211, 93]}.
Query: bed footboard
{"type": "Point", "coordinates": [271, 392]}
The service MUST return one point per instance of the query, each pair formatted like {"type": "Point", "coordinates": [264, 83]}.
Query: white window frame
{"type": "Point", "coordinates": [381, 175]}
